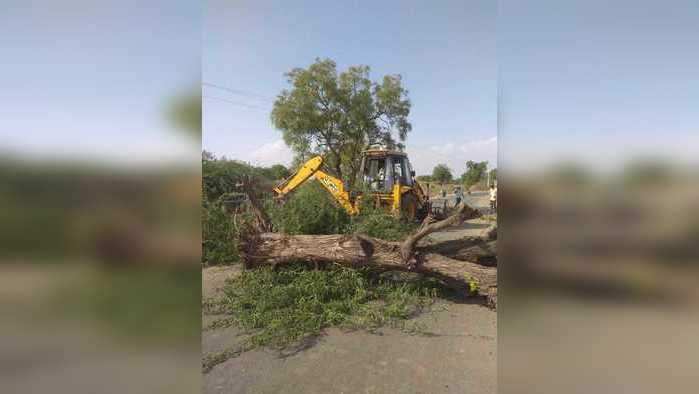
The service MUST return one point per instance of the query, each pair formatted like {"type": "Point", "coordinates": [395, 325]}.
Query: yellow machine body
{"type": "Point", "coordinates": [386, 176]}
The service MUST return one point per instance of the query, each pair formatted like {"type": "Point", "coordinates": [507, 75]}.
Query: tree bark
{"type": "Point", "coordinates": [474, 249]}
{"type": "Point", "coordinates": [360, 251]}
{"type": "Point", "coordinates": [251, 191]}
{"type": "Point", "coordinates": [462, 212]}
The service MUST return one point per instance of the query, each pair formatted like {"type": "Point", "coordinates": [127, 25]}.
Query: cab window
{"type": "Point", "coordinates": [401, 171]}
{"type": "Point", "coordinates": [375, 174]}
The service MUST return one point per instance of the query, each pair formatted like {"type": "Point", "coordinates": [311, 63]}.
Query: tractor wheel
{"type": "Point", "coordinates": [409, 208]}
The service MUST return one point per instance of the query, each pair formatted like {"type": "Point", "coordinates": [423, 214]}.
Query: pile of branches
{"type": "Point", "coordinates": [468, 264]}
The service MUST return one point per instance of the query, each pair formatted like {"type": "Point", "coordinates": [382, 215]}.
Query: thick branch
{"type": "Point", "coordinates": [361, 251]}
{"type": "Point", "coordinates": [250, 190]}
{"type": "Point", "coordinates": [463, 212]}
{"type": "Point", "coordinates": [475, 249]}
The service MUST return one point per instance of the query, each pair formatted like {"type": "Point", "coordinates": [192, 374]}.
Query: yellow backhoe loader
{"type": "Point", "coordinates": [386, 175]}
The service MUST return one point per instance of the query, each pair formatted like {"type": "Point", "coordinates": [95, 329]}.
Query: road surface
{"type": "Point", "coordinates": [457, 353]}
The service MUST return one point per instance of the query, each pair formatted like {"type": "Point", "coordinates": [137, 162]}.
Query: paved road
{"type": "Point", "coordinates": [478, 200]}
{"type": "Point", "coordinates": [458, 355]}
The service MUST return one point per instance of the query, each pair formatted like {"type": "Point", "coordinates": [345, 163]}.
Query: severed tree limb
{"type": "Point", "coordinates": [475, 249]}
{"type": "Point", "coordinates": [361, 251]}
{"type": "Point", "coordinates": [250, 187]}
{"type": "Point", "coordinates": [462, 212]}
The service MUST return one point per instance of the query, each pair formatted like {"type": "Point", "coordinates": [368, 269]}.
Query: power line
{"type": "Point", "coordinates": [239, 91]}
{"type": "Point", "coordinates": [236, 103]}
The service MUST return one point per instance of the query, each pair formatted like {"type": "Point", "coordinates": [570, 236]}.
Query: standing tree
{"type": "Point", "coordinates": [339, 115]}
{"type": "Point", "coordinates": [474, 172]}
{"type": "Point", "coordinates": [442, 174]}
{"type": "Point", "coordinates": [276, 172]}
{"type": "Point", "coordinates": [493, 176]}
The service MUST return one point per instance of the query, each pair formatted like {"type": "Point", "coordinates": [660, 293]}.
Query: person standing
{"type": "Point", "coordinates": [493, 198]}
{"type": "Point", "coordinates": [459, 195]}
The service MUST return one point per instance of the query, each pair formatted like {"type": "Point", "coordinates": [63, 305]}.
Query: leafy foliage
{"type": "Point", "coordinates": [475, 172]}
{"type": "Point", "coordinates": [221, 193]}
{"type": "Point", "coordinates": [282, 306]}
{"type": "Point", "coordinates": [442, 174]}
{"type": "Point", "coordinates": [217, 235]}
{"type": "Point", "coordinates": [378, 223]}
{"type": "Point", "coordinates": [383, 225]}
{"type": "Point", "coordinates": [277, 172]}
{"type": "Point", "coordinates": [340, 114]}
{"type": "Point", "coordinates": [310, 210]}
{"type": "Point", "coordinates": [220, 177]}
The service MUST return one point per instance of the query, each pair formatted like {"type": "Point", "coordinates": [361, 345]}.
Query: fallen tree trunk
{"type": "Point", "coordinates": [359, 251]}
{"type": "Point", "coordinates": [362, 251]}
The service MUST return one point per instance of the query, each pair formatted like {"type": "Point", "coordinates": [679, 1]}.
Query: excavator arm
{"type": "Point", "coordinates": [312, 168]}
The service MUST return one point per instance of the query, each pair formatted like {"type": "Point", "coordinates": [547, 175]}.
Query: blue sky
{"type": "Point", "coordinates": [85, 80]}
{"type": "Point", "coordinates": [598, 81]}
{"type": "Point", "coordinates": [595, 80]}
{"type": "Point", "coordinates": [445, 52]}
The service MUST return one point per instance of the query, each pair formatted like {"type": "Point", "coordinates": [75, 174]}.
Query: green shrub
{"type": "Point", "coordinates": [310, 210]}
{"type": "Point", "coordinates": [379, 223]}
{"type": "Point", "coordinates": [217, 235]}
{"type": "Point", "coordinates": [382, 225]}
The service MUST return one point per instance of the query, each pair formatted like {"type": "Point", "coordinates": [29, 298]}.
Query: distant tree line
{"type": "Point", "coordinates": [475, 172]}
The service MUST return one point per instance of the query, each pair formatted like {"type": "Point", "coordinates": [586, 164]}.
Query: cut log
{"type": "Point", "coordinates": [475, 249]}
{"type": "Point", "coordinates": [360, 251]}
{"type": "Point", "coordinates": [461, 213]}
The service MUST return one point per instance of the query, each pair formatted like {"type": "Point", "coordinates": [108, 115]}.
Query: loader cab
{"type": "Point", "coordinates": [381, 170]}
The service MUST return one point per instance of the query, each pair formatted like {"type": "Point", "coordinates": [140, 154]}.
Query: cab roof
{"type": "Point", "coordinates": [384, 152]}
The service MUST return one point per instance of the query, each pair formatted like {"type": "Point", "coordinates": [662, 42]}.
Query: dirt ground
{"type": "Point", "coordinates": [457, 353]}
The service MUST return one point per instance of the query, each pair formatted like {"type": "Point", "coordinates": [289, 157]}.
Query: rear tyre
{"type": "Point", "coordinates": [409, 207]}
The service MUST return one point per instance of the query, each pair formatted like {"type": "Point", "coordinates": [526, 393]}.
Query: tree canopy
{"type": "Point", "coordinates": [221, 176]}
{"type": "Point", "coordinates": [475, 171]}
{"type": "Point", "coordinates": [341, 114]}
{"type": "Point", "coordinates": [276, 172]}
{"type": "Point", "coordinates": [493, 175]}
{"type": "Point", "coordinates": [442, 174]}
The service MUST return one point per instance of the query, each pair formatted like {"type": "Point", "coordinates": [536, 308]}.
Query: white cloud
{"type": "Point", "coordinates": [272, 153]}
{"type": "Point", "coordinates": [447, 148]}
{"type": "Point", "coordinates": [454, 155]}
{"type": "Point", "coordinates": [485, 146]}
